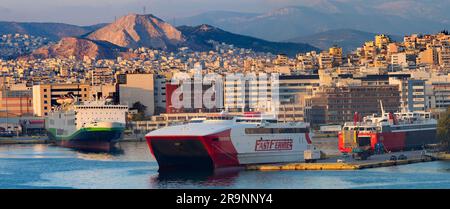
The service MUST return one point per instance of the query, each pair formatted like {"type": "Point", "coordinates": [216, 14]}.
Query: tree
{"type": "Point", "coordinates": [443, 129]}
{"type": "Point", "coordinates": [140, 111]}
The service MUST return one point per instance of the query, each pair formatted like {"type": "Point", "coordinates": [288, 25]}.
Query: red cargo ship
{"type": "Point", "coordinates": [389, 132]}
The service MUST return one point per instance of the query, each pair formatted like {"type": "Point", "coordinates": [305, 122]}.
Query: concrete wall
{"type": "Point", "coordinates": [138, 88]}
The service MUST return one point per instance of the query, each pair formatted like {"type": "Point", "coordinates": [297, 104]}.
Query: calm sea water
{"type": "Point", "coordinates": [46, 166]}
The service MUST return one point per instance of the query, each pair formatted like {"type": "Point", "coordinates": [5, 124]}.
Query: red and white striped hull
{"type": "Point", "coordinates": [227, 146]}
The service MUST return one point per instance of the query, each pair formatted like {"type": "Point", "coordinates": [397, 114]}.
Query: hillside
{"type": "Point", "coordinates": [79, 47]}
{"type": "Point", "coordinates": [197, 38]}
{"type": "Point", "coordinates": [133, 31]}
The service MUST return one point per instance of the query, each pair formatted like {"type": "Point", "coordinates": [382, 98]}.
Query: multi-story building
{"type": "Point", "coordinates": [381, 41]}
{"type": "Point", "coordinates": [293, 89]}
{"type": "Point", "coordinates": [440, 95]}
{"type": "Point", "coordinates": [16, 102]}
{"type": "Point", "coordinates": [286, 98]}
{"type": "Point", "coordinates": [412, 93]}
{"type": "Point", "coordinates": [160, 94]}
{"type": "Point", "coordinates": [398, 61]}
{"type": "Point", "coordinates": [336, 53]}
{"type": "Point", "coordinates": [45, 95]}
{"type": "Point", "coordinates": [325, 60]}
{"type": "Point", "coordinates": [282, 59]}
{"type": "Point", "coordinates": [428, 56]}
{"type": "Point", "coordinates": [137, 87]}
{"type": "Point", "coordinates": [336, 105]}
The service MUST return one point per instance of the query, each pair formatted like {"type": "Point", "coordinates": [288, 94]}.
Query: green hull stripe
{"type": "Point", "coordinates": [52, 132]}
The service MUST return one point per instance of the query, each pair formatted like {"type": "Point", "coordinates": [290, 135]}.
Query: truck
{"type": "Point", "coordinates": [311, 154]}
{"type": "Point", "coordinates": [361, 153]}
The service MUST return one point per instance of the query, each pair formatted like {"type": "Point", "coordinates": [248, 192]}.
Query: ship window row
{"type": "Point", "coordinates": [361, 128]}
{"type": "Point", "coordinates": [275, 130]}
{"type": "Point", "coordinates": [255, 121]}
{"type": "Point", "coordinates": [413, 127]}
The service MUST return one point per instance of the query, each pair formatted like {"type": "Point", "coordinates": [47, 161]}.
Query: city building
{"type": "Point", "coordinates": [412, 93]}
{"type": "Point", "coordinates": [45, 95]}
{"type": "Point", "coordinates": [16, 102]}
{"type": "Point", "coordinates": [137, 87]}
{"type": "Point", "coordinates": [336, 105]}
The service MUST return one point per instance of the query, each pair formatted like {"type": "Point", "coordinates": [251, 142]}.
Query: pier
{"type": "Point", "coordinates": [347, 163]}
{"type": "Point", "coordinates": [24, 140]}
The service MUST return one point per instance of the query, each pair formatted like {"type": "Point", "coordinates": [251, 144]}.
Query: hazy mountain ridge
{"type": "Point", "coordinates": [53, 31]}
{"type": "Point", "coordinates": [294, 21]}
{"type": "Point", "coordinates": [198, 37]}
{"type": "Point", "coordinates": [348, 39]}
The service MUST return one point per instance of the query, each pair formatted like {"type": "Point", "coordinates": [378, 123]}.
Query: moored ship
{"type": "Point", "coordinates": [388, 132]}
{"type": "Point", "coordinates": [220, 141]}
{"type": "Point", "coordinates": [91, 126]}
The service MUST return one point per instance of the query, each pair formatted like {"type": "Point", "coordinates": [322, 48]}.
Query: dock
{"type": "Point", "coordinates": [24, 140]}
{"type": "Point", "coordinates": [375, 161]}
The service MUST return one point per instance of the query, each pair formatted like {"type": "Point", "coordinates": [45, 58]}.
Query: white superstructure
{"type": "Point", "coordinates": [231, 141]}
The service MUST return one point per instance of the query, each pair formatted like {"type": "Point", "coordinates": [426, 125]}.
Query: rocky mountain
{"type": "Point", "coordinates": [135, 30]}
{"type": "Point", "coordinates": [79, 47]}
{"type": "Point", "coordinates": [52, 31]}
{"type": "Point", "coordinates": [197, 38]}
{"type": "Point", "coordinates": [348, 39]}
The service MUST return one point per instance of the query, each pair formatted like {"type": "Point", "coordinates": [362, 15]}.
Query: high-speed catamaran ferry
{"type": "Point", "coordinates": [221, 141]}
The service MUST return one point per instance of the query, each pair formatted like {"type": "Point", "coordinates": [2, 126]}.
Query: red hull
{"type": "Point", "coordinates": [87, 146]}
{"type": "Point", "coordinates": [194, 152]}
{"type": "Point", "coordinates": [393, 141]}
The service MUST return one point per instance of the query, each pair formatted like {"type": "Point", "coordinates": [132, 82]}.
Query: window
{"type": "Point", "coordinates": [275, 130]}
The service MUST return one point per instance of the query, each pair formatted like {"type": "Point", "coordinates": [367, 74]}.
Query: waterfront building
{"type": "Point", "coordinates": [336, 105]}
{"type": "Point", "coordinates": [45, 95]}
{"type": "Point", "coordinates": [293, 89]}
{"type": "Point", "coordinates": [138, 87]}
{"type": "Point", "coordinates": [16, 102]}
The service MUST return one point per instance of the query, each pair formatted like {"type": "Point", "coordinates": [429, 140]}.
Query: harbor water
{"type": "Point", "coordinates": [131, 166]}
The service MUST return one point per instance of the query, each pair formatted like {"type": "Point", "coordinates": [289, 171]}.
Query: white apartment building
{"type": "Point", "coordinates": [412, 93]}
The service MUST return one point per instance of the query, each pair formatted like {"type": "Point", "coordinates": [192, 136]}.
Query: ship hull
{"type": "Point", "coordinates": [193, 152]}
{"type": "Point", "coordinates": [89, 139]}
{"type": "Point", "coordinates": [222, 150]}
{"type": "Point", "coordinates": [392, 141]}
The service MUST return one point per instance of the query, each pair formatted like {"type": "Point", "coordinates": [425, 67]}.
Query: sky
{"type": "Point", "coordinates": [89, 12]}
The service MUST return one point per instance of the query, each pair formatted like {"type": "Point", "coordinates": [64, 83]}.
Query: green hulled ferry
{"type": "Point", "coordinates": [93, 126]}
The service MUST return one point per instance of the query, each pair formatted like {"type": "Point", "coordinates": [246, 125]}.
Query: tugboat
{"type": "Point", "coordinates": [224, 141]}
{"type": "Point", "coordinates": [389, 132]}
{"type": "Point", "coordinates": [91, 126]}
